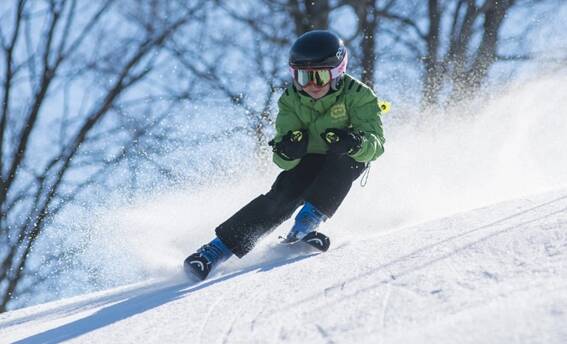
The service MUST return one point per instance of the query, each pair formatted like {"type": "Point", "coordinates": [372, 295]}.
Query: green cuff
{"type": "Point", "coordinates": [362, 154]}
{"type": "Point", "coordinates": [285, 164]}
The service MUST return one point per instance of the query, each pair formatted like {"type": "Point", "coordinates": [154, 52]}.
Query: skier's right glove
{"type": "Point", "coordinates": [292, 146]}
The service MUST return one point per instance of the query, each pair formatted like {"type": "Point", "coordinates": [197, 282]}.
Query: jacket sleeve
{"type": "Point", "coordinates": [365, 117]}
{"type": "Point", "coordinates": [286, 120]}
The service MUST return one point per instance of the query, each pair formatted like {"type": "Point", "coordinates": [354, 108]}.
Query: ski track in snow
{"type": "Point", "coordinates": [497, 274]}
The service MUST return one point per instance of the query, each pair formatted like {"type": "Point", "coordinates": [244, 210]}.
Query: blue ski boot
{"type": "Point", "coordinates": [306, 221]}
{"type": "Point", "coordinates": [198, 265]}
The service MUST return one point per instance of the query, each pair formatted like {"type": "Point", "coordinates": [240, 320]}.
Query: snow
{"type": "Point", "coordinates": [413, 258]}
{"type": "Point", "coordinates": [496, 274]}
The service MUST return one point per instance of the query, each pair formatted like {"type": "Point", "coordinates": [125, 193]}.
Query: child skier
{"type": "Point", "coordinates": [328, 129]}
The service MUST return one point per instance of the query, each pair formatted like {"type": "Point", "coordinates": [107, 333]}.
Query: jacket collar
{"type": "Point", "coordinates": [322, 104]}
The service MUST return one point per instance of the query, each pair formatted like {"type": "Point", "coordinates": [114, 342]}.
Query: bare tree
{"type": "Point", "coordinates": [55, 141]}
{"type": "Point", "coordinates": [369, 19]}
{"type": "Point", "coordinates": [467, 70]}
{"type": "Point", "coordinates": [248, 72]}
{"type": "Point", "coordinates": [308, 15]}
{"type": "Point", "coordinates": [456, 42]}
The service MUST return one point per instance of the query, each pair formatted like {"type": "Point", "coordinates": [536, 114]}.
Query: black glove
{"type": "Point", "coordinates": [342, 141]}
{"type": "Point", "coordinates": [292, 146]}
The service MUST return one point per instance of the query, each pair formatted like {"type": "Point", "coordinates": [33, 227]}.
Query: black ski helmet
{"type": "Point", "coordinates": [319, 49]}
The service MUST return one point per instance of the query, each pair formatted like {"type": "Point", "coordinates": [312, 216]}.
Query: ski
{"type": "Point", "coordinates": [317, 240]}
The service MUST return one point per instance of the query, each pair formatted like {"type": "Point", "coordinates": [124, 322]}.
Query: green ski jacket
{"type": "Point", "coordinates": [354, 105]}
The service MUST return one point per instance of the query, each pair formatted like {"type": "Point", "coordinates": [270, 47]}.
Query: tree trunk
{"type": "Point", "coordinates": [433, 69]}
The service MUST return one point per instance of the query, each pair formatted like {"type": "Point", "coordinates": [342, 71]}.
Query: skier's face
{"type": "Point", "coordinates": [315, 91]}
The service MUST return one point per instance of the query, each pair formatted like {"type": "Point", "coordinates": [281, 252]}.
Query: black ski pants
{"type": "Point", "coordinates": [322, 180]}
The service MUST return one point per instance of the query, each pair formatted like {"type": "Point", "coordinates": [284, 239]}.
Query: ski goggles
{"type": "Point", "coordinates": [318, 76]}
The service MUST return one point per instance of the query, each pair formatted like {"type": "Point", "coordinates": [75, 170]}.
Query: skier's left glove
{"type": "Point", "coordinates": [343, 141]}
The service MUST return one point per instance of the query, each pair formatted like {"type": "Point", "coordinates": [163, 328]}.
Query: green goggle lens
{"type": "Point", "coordinates": [319, 77]}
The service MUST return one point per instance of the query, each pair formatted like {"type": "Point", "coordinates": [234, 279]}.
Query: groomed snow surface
{"type": "Point", "coordinates": [402, 267]}
{"type": "Point", "coordinates": [497, 274]}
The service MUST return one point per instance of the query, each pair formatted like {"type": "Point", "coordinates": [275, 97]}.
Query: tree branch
{"type": "Point", "coordinates": [9, 51]}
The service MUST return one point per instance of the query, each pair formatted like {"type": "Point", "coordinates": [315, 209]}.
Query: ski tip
{"type": "Point", "coordinates": [195, 268]}
{"type": "Point", "coordinates": [318, 241]}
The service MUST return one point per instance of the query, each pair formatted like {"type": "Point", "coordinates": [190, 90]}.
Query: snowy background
{"type": "Point", "coordinates": [491, 275]}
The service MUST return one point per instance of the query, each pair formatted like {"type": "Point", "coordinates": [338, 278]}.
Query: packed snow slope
{"type": "Point", "coordinates": [496, 274]}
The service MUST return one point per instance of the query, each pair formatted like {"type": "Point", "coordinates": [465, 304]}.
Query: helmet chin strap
{"type": "Point", "coordinates": [336, 83]}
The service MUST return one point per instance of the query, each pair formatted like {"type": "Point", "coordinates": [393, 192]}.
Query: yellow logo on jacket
{"type": "Point", "coordinates": [338, 111]}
